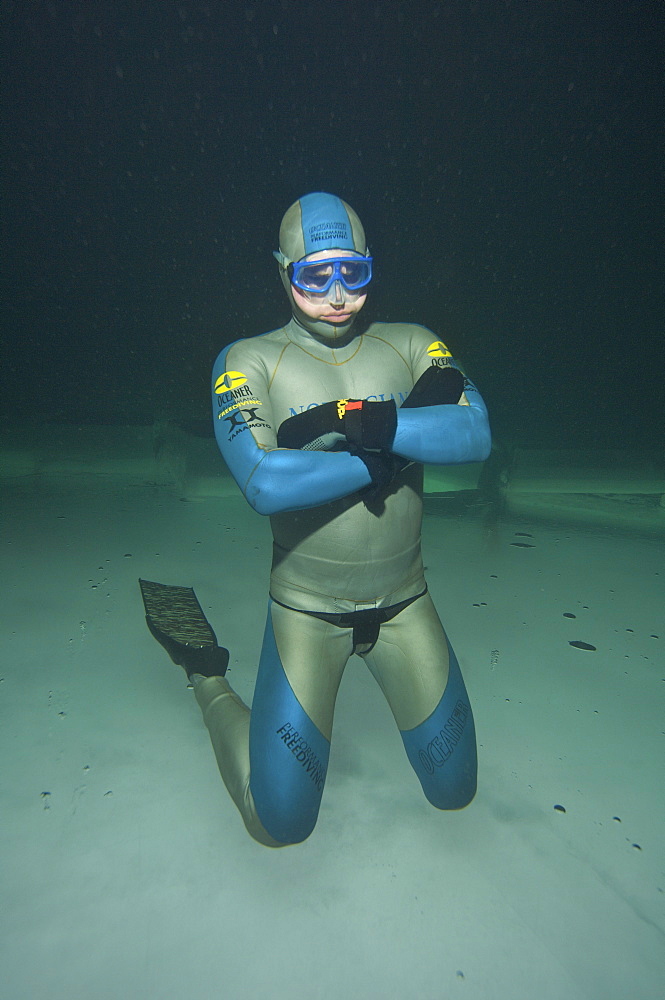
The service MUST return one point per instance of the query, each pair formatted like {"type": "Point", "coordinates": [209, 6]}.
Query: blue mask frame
{"type": "Point", "coordinates": [307, 274]}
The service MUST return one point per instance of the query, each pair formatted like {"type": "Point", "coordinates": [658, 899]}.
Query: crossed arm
{"type": "Point", "coordinates": [374, 440]}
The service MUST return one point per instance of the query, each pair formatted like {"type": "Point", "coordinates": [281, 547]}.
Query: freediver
{"type": "Point", "coordinates": [325, 426]}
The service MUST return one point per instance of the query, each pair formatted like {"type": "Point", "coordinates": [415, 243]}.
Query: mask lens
{"type": "Point", "coordinates": [318, 276]}
{"type": "Point", "coordinates": [355, 273]}
{"type": "Point", "coordinates": [315, 277]}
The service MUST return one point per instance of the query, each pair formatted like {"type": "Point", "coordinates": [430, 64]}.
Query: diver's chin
{"type": "Point", "coordinates": [333, 334]}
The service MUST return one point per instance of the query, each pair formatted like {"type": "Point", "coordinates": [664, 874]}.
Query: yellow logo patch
{"type": "Point", "coordinates": [438, 350]}
{"type": "Point", "coordinates": [229, 380]}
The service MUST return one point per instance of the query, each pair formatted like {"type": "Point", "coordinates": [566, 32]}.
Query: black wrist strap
{"type": "Point", "coordinates": [371, 425]}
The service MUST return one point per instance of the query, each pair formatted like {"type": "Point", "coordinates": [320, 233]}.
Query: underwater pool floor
{"type": "Point", "coordinates": [127, 871]}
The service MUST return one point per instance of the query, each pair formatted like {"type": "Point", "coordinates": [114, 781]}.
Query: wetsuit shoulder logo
{"type": "Point", "coordinates": [229, 380]}
{"type": "Point", "coordinates": [234, 392]}
{"type": "Point", "coordinates": [241, 419]}
{"type": "Point", "coordinates": [438, 349]}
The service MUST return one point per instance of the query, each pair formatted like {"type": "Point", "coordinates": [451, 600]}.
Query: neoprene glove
{"type": "Point", "coordinates": [367, 429]}
{"type": "Point", "coordinates": [436, 386]}
{"type": "Point", "coordinates": [369, 426]}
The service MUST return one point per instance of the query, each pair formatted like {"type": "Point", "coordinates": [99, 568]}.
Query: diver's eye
{"type": "Point", "coordinates": [319, 276]}
{"type": "Point", "coordinates": [354, 272]}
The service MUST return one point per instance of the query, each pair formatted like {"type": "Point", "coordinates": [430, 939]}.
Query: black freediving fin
{"type": "Point", "coordinates": [176, 619]}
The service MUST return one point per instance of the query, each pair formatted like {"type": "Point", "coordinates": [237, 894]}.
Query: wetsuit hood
{"type": "Point", "coordinates": [319, 221]}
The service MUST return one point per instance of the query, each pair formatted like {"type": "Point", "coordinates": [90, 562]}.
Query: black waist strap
{"type": "Point", "coordinates": [365, 623]}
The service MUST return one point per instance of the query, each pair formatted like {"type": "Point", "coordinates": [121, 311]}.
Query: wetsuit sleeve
{"type": "Point", "coordinates": [447, 434]}
{"type": "Point", "coordinates": [272, 479]}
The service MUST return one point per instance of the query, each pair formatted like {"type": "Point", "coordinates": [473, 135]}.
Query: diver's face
{"type": "Point", "coordinates": [338, 304]}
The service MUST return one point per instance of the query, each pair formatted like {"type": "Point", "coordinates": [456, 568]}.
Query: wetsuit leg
{"type": "Point", "coordinates": [227, 719]}
{"type": "Point", "coordinates": [419, 674]}
{"type": "Point", "coordinates": [273, 760]}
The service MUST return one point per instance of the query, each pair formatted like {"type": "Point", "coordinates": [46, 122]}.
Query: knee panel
{"type": "Point", "coordinates": [442, 749]}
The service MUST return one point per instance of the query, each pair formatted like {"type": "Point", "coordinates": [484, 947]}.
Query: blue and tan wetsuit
{"type": "Point", "coordinates": [346, 576]}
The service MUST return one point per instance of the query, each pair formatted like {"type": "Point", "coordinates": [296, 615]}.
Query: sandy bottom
{"type": "Point", "coordinates": [128, 873]}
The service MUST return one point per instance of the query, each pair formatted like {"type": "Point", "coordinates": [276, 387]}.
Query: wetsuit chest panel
{"type": "Point", "coordinates": [302, 381]}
